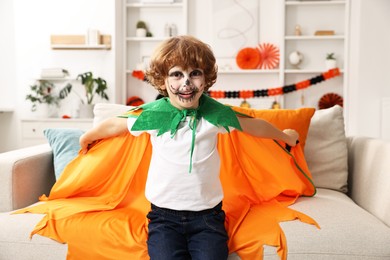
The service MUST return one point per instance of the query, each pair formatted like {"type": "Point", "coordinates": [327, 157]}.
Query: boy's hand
{"type": "Point", "coordinates": [292, 136]}
{"type": "Point", "coordinates": [109, 127]}
{"type": "Point", "coordinates": [84, 144]}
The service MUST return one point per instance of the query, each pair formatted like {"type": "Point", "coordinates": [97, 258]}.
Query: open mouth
{"type": "Point", "coordinates": [186, 95]}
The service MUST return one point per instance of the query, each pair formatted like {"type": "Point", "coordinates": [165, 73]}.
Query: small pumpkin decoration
{"type": "Point", "coordinates": [245, 104]}
{"type": "Point", "coordinates": [248, 58]}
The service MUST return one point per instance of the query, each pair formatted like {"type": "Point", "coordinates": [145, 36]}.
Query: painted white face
{"type": "Point", "coordinates": [185, 87]}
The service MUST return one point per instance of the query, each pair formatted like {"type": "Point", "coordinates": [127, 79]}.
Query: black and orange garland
{"type": "Point", "coordinates": [275, 91]}
{"type": "Point", "coordinates": [265, 92]}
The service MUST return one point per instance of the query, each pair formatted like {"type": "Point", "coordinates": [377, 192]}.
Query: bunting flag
{"type": "Point", "coordinates": [267, 92]}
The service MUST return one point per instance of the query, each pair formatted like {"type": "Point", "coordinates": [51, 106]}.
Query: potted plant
{"type": "Point", "coordinates": [330, 61]}
{"type": "Point", "coordinates": [142, 30]}
{"type": "Point", "coordinates": [93, 86]}
{"type": "Point", "coordinates": [43, 94]}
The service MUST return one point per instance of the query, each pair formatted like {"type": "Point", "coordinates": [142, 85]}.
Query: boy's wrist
{"type": "Point", "coordinates": [291, 136]}
{"type": "Point", "coordinates": [85, 139]}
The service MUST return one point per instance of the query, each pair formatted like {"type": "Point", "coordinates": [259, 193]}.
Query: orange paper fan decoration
{"type": "Point", "coordinates": [139, 74]}
{"type": "Point", "coordinates": [269, 56]}
{"type": "Point", "coordinates": [329, 100]}
{"type": "Point", "coordinates": [248, 58]}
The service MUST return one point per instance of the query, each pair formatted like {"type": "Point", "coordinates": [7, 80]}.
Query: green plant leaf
{"type": "Point", "coordinates": [141, 24]}
{"type": "Point", "coordinates": [42, 93]}
{"type": "Point", "coordinates": [330, 56]}
{"type": "Point", "coordinates": [65, 91]}
{"type": "Point", "coordinates": [93, 86]}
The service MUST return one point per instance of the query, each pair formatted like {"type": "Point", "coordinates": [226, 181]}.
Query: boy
{"type": "Point", "coordinates": [186, 220]}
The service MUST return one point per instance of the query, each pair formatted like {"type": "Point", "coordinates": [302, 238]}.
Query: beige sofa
{"type": "Point", "coordinates": [352, 204]}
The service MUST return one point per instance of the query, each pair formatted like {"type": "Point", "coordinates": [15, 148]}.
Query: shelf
{"type": "Point", "coordinates": [145, 39]}
{"type": "Point", "coordinates": [306, 71]}
{"type": "Point", "coordinates": [314, 37]}
{"type": "Point", "coordinates": [77, 42]}
{"type": "Point", "coordinates": [326, 17]}
{"type": "Point", "coordinates": [58, 119]}
{"type": "Point", "coordinates": [142, 5]}
{"type": "Point", "coordinates": [79, 47]}
{"type": "Point", "coordinates": [324, 29]}
{"type": "Point", "coordinates": [226, 72]}
{"type": "Point", "coordinates": [55, 79]}
{"type": "Point", "coordinates": [248, 71]}
{"type": "Point", "coordinates": [6, 109]}
{"type": "Point", "coordinates": [320, 2]}
{"type": "Point", "coordinates": [137, 50]}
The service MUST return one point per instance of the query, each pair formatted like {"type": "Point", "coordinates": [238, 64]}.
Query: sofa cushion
{"type": "Point", "coordinates": [347, 231]}
{"type": "Point", "coordinates": [15, 242]}
{"type": "Point", "coordinates": [368, 161]}
{"type": "Point", "coordinates": [65, 145]}
{"type": "Point", "coordinates": [326, 149]}
{"type": "Point", "coordinates": [103, 111]}
{"type": "Point", "coordinates": [298, 119]}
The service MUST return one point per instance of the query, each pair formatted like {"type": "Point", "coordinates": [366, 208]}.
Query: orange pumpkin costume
{"type": "Point", "coordinates": [99, 209]}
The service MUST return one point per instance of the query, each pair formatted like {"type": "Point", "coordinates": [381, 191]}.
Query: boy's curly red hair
{"type": "Point", "coordinates": [184, 51]}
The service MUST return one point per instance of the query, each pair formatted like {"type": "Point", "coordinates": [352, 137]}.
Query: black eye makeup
{"type": "Point", "coordinates": [196, 74]}
{"type": "Point", "coordinates": [176, 74]}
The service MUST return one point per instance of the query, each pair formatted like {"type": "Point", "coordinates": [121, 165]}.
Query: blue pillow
{"type": "Point", "coordinates": [65, 145]}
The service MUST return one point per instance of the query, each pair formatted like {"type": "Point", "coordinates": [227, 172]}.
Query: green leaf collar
{"type": "Point", "coordinates": [161, 115]}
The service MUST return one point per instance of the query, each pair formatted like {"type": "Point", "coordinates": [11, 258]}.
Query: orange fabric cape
{"type": "Point", "coordinates": [99, 209]}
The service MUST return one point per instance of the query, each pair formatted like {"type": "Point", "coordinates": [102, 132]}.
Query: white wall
{"type": "Point", "coordinates": [7, 61]}
{"type": "Point", "coordinates": [35, 21]}
{"type": "Point", "coordinates": [369, 66]}
{"type": "Point", "coordinates": [27, 30]}
{"type": "Point", "coordinates": [8, 89]}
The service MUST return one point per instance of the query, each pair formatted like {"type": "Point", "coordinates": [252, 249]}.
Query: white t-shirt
{"type": "Point", "coordinates": [169, 183]}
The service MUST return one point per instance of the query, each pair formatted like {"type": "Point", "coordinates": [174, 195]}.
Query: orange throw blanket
{"type": "Point", "coordinates": [99, 209]}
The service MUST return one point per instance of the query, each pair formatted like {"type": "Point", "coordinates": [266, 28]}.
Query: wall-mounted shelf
{"type": "Point", "coordinates": [238, 71]}
{"type": "Point", "coordinates": [154, 5]}
{"type": "Point", "coordinates": [77, 42]}
{"type": "Point", "coordinates": [56, 79]}
{"type": "Point", "coordinates": [306, 71]}
{"type": "Point", "coordinates": [6, 109]}
{"type": "Point", "coordinates": [323, 2]}
{"type": "Point", "coordinates": [146, 39]}
{"type": "Point", "coordinates": [314, 37]}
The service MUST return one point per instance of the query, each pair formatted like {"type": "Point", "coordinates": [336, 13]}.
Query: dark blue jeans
{"type": "Point", "coordinates": [185, 235]}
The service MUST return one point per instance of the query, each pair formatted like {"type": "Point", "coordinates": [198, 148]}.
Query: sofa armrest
{"type": "Point", "coordinates": [369, 175]}
{"type": "Point", "coordinates": [25, 174]}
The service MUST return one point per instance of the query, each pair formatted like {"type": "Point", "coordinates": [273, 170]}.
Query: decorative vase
{"type": "Point", "coordinates": [45, 111]}
{"type": "Point", "coordinates": [140, 32]}
{"type": "Point", "coordinates": [295, 58]}
{"type": "Point", "coordinates": [86, 111]}
{"type": "Point", "coordinates": [330, 64]}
